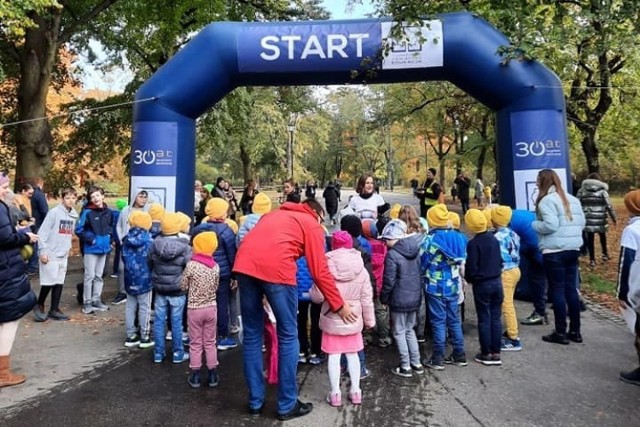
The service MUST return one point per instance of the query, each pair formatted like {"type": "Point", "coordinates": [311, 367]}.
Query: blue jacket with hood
{"type": "Point", "coordinates": [136, 247]}
{"type": "Point", "coordinates": [442, 252]}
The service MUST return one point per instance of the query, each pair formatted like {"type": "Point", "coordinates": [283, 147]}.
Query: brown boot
{"type": "Point", "coordinates": [7, 378]}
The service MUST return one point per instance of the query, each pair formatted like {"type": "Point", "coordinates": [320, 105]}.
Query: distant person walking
{"type": "Point", "coordinates": [463, 183]}
{"type": "Point", "coordinates": [596, 205]}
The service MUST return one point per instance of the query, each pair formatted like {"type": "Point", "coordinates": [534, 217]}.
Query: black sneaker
{"type": "Point", "coordinates": [421, 339]}
{"type": "Point", "coordinates": [535, 319]}
{"type": "Point", "coordinates": [402, 372]}
{"type": "Point", "coordinates": [299, 410]}
{"type": "Point", "coordinates": [556, 338]}
{"type": "Point", "coordinates": [212, 378]}
{"type": "Point", "coordinates": [417, 369]}
{"type": "Point", "coordinates": [256, 412]}
{"type": "Point", "coordinates": [434, 363]}
{"type": "Point", "coordinates": [575, 337]}
{"type": "Point", "coordinates": [119, 299]}
{"type": "Point", "coordinates": [133, 341]}
{"type": "Point", "coordinates": [57, 315]}
{"type": "Point", "coordinates": [458, 360]}
{"type": "Point", "coordinates": [146, 342]}
{"type": "Point", "coordinates": [38, 313]}
{"type": "Point", "coordinates": [194, 379]}
{"type": "Point", "coordinates": [632, 377]}
{"type": "Point", "coordinates": [487, 359]}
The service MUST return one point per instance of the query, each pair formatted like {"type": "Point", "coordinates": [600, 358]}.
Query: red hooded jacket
{"type": "Point", "coordinates": [269, 252]}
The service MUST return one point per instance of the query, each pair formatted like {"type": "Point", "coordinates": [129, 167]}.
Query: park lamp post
{"type": "Point", "coordinates": [291, 128]}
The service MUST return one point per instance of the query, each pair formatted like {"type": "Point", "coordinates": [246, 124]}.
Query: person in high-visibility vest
{"type": "Point", "coordinates": [429, 193]}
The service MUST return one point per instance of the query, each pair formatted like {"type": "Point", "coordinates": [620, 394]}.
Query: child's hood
{"type": "Point", "coordinates": [451, 243]}
{"type": "Point", "coordinates": [345, 264]}
{"type": "Point", "coordinates": [409, 247]}
{"type": "Point", "coordinates": [170, 247]}
{"type": "Point", "coordinates": [137, 237]}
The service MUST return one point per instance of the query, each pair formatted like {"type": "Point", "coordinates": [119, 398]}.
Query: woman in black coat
{"type": "Point", "coordinates": [16, 296]}
{"type": "Point", "coordinates": [331, 197]}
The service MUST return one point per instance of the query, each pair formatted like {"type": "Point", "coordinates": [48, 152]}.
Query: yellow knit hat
{"type": "Point", "coordinates": [394, 213]}
{"type": "Point", "coordinates": [205, 243]}
{"type": "Point", "coordinates": [261, 204]}
{"type": "Point", "coordinates": [438, 216]}
{"type": "Point", "coordinates": [487, 214]}
{"type": "Point", "coordinates": [454, 220]}
{"type": "Point", "coordinates": [156, 210]}
{"type": "Point", "coordinates": [501, 216]}
{"type": "Point", "coordinates": [171, 223]}
{"type": "Point", "coordinates": [232, 224]}
{"type": "Point", "coordinates": [217, 208]}
{"type": "Point", "coordinates": [475, 220]}
{"type": "Point", "coordinates": [185, 223]}
{"type": "Point", "coordinates": [140, 219]}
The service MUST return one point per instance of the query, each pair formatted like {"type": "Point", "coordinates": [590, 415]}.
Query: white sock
{"type": "Point", "coordinates": [354, 371]}
{"type": "Point", "coordinates": [333, 366]}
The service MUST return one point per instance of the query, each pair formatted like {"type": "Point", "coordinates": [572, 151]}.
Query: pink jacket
{"type": "Point", "coordinates": [354, 285]}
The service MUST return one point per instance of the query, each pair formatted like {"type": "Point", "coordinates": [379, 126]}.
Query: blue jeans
{"type": "Point", "coordinates": [488, 298]}
{"type": "Point", "coordinates": [444, 314]}
{"type": "Point", "coordinates": [175, 304]}
{"type": "Point", "coordinates": [562, 274]}
{"type": "Point", "coordinates": [284, 303]}
{"type": "Point", "coordinates": [222, 299]}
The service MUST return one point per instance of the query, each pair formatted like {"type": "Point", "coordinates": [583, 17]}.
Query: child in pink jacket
{"type": "Point", "coordinates": [338, 337]}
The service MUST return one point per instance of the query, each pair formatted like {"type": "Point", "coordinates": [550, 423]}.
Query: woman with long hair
{"type": "Point", "coordinates": [249, 193]}
{"type": "Point", "coordinates": [559, 225]}
{"type": "Point", "coordinates": [410, 217]}
{"type": "Point", "coordinates": [367, 202]}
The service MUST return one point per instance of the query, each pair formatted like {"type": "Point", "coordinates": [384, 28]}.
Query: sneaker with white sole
{"type": "Point", "coordinates": [146, 342]}
{"type": "Point", "coordinates": [100, 306]}
{"type": "Point", "coordinates": [179, 358]}
{"type": "Point", "coordinates": [402, 372]}
{"type": "Point", "coordinates": [133, 341]}
{"type": "Point", "coordinates": [119, 299]}
{"type": "Point", "coordinates": [456, 359]}
{"type": "Point", "coordinates": [88, 308]}
{"type": "Point", "coordinates": [226, 343]}
{"type": "Point", "coordinates": [510, 345]}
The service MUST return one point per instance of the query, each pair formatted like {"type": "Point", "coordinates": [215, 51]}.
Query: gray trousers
{"type": "Point", "coordinates": [93, 283]}
{"type": "Point", "coordinates": [421, 322]}
{"type": "Point", "coordinates": [402, 329]}
{"type": "Point", "coordinates": [142, 305]}
{"type": "Point", "coordinates": [121, 275]}
{"type": "Point", "coordinates": [234, 308]}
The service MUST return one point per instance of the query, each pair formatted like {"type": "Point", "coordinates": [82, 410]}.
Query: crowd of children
{"type": "Point", "coordinates": [388, 269]}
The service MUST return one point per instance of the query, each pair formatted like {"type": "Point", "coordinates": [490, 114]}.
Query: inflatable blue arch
{"type": "Point", "coordinates": [461, 48]}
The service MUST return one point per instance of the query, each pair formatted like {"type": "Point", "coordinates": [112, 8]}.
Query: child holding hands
{"type": "Point", "coordinates": [338, 337]}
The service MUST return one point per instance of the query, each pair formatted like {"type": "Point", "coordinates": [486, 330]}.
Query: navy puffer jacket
{"type": "Point", "coordinates": [16, 296]}
{"type": "Point", "coordinates": [225, 254]}
{"type": "Point", "coordinates": [402, 281]}
{"type": "Point", "coordinates": [168, 258]}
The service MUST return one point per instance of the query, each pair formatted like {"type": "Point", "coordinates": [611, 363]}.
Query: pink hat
{"type": "Point", "coordinates": [341, 239]}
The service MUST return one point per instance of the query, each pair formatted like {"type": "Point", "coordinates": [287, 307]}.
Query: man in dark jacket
{"type": "Point", "coordinates": [429, 193]}
{"type": "Point", "coordinates": [331, 196]}
{"type": "Point", "coordinates": [39, 209]}
{"type": "Point", "coordinates": [463, 183]}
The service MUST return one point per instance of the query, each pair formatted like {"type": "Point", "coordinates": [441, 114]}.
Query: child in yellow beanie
{"type": "Point", "coordinates": [156, 211]}
{"type": "Point", "coordinates": [510, 252]}
{"type": "Point", "coordinates": [136, 247]}
{"type": "Point", "coordinates": [224, 256]}
{"type": "Point", "coordinates": [442, 253]}
{"type": "Point", "coordinates": [200, 278]}
{"type": "Point", "coordinates": [483, 270]}
{"type": "Point", "coordinates": [169, 256]}
{"type": "Point", "coordinates": [261, 205]}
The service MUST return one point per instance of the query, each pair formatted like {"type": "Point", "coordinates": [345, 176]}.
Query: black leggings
{"type": "Point", "coordinates": [316, 333]}
{"type": "Point", "coordinates": [591, 237]}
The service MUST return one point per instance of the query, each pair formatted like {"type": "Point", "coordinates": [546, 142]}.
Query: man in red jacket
{"type": "Point", "coordinates": [266, 266]}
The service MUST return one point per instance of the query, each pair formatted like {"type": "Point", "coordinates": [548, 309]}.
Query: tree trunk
{"type": "Point", "coordinates": [590, 149]}
{"type": "Point", "coordinates": [37, 58]}
{"type": "Point", "coordinates": [480, 162]}
{"type": "Point", "coordinates": [246, 163]}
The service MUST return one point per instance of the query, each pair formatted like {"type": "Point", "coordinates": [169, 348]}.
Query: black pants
{"type": "Point", "coordinates": [464, 203]}
{"type": "Point", "coordinates": [591, 237]}
{"type": "Point", "coordinates": [316, 333]}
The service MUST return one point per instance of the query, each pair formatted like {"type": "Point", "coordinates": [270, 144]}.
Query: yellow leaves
{"type": "Point", "coordinates": [14, 15]}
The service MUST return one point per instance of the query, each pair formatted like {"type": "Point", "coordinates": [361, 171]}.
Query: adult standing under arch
{"type": "Point", "coordinates": [429, 193]}
{"type": "Point", "coordinates": [596, 204]}
{"type": "Point", "coordinates": [559, 225]}
{"type": "Point", "coordinates": [266, 267]}
{"type": "Point", "coordinates": [16, 296]}
{"type": "Point", "coordinates": [463, 183]}
{"type": "Point", "coordinates": [367, 202]}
